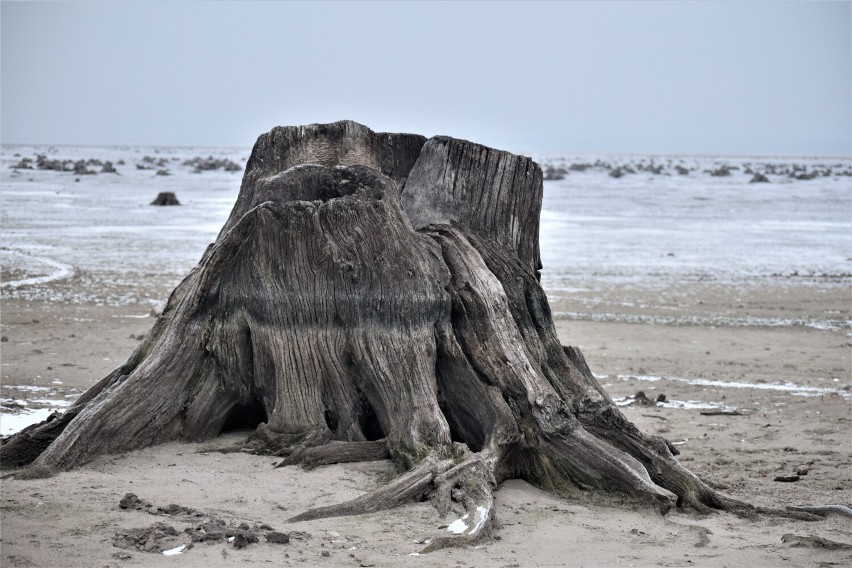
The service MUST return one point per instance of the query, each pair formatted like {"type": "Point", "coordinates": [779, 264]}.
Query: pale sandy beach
{"type": "Point", "coordinates": [789, 384]}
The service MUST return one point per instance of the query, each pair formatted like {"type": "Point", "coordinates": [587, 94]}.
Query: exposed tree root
{"type": "Point", "coordinates": [814, 542]}
{"type": "Point", "coordinates": [407, 487]}
{"type": "Point", "coordinates": [337, 452]}
{"type": "Point", "coordinates": [470, 483]}
{"type": "Point", "coordinates": [823, 510]}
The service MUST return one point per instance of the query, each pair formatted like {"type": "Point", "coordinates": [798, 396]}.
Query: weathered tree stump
{"type": "Point", "coordinates": [376, 295]}
{"type": "Point", "coordinates": [166, 198]}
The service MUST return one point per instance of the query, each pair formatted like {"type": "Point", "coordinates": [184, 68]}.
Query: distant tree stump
{"type": "Point", "coordinates": [166, 198]}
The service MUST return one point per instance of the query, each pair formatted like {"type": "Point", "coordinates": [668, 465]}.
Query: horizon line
{"type": "Point", "coordinates": [542, 154]}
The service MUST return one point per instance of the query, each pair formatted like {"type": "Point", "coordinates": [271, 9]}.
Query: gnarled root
{"type": "Point", "coordinates": [822, 510]}
{"type": "Point", "coordinates": [409, 486]}
{"type": "Point", "coordinates": [470, 482]}
{"type": "Point", "coordinates": [337, 452]}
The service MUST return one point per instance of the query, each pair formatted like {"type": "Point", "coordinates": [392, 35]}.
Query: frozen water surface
{"type": "Point", "coordinates": [101, 236]}
{"type": "Point", "coordinates": [101, 229]}
{"type": "Point", "coordinates": [649, 228]}
{"type": "Point", "coordinates": [11, 423]}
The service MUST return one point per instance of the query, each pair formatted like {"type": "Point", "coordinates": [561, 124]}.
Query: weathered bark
{"type": "Point", "coordinates": [373, 295]}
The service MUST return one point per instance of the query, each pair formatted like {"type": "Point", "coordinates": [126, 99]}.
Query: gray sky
{"type": "Point", "coordinates": [764, 78]}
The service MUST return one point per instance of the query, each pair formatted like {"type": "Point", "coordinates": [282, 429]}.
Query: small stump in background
{"type": "Point", "coordinates": [166, 198]}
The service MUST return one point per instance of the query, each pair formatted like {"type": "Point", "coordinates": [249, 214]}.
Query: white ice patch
{"type": "Point", "coordinates": [679, 404]}
{"type": "Point", "coordinates": [798, 390]}
{"type": "Point", "coordinates": [30, 388]}
{"type": "Point", "coordinates": [458, 526]}
{"type": "Point", "coordinates": [12, 423]}
{"type": "Point", "coordinates": [59, 270]}
{"type": "Point", "coordinates": [173, 551]}
{"type": "Point", "coordinates": [483, 516]}
{"type": "Point", "coordinates": [52, 402]}
{"type": "Point", "coordinates": [694, 405]}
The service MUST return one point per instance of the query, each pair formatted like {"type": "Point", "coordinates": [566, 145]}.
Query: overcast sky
{"type": "Point", "coordinates": [759, 78]}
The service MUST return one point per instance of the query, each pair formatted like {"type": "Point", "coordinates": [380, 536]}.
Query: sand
{"type": "Point", "coordinates": [789, 385]}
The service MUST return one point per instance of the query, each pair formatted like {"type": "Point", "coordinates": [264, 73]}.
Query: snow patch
{"type": "Point", "coordinates": [483, 516]}
{"type": "Point", "coordinates": [173, 551]}
{"type": "Point", "coordinates": [12, 423]}
{"type": "Point", "coordinates": [458, 526]}
{"type": "Point", "coordinates": [792, 388]}
{"type": "Point", "coordinates": [52, 402]}
{"type": "Point", "coordinates": [30, 388]}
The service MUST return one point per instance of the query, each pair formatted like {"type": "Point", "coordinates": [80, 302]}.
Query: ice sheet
{"type": "Point", "coordinates": [696, 227]}
{"type": "Point", "coordinates": [792, 388]}
{"type": "Point", "coordinates": [643, 229]}
{"type": "Point", "coordinates": [11, 423]}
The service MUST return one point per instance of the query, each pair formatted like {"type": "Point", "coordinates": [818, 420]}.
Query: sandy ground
{"type": "Point", "coordinates": [73, 519]}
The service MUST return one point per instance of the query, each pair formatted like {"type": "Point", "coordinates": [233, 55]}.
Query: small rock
{"type": "Point", "coordinates": [173, 509]}
{"type": "Point", "coordinates": [759, 178]}
{"type": "Point", "coordinates": [326, 553]}
{"type": "Point", "coordinates": [787, 478]}
{"type": "Point", "coordinates": [244, 538]}
{"type": "Point", "coordinates": [802, 471]}
{"type": "Point", "coordinates": [129, 501]}
{"type": "Point", "coordinates": [278, 538]}
{"type": "Point", "coordinates": [641, 399]}
{"type": "Point", "coordinates": [661, 398]}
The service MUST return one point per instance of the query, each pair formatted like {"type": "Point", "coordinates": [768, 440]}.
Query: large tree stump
{"type": "Point", "coordinates": [376, 295]}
